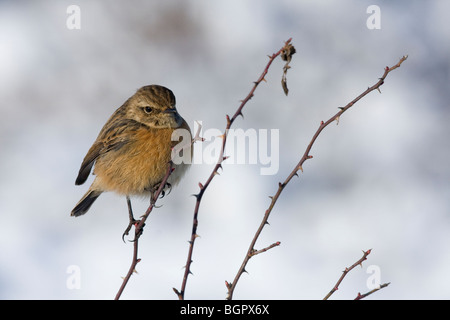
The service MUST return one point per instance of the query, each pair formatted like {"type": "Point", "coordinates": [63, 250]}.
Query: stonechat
{"type": "Point", "coordinates": [132, 151]}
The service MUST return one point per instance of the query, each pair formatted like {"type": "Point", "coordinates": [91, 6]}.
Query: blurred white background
{"type": "Point", "coordinates": [380, 179]}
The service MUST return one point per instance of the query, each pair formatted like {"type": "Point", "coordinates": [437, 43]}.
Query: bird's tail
{"type": "Point", "coordinates": [85, 203]}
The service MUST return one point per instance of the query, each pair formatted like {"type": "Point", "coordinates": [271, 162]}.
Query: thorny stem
{"type": "Point", "coordinates": [306, 156]}
{"type": "Point", "coordinates": [362, 296]}
{"type": "Point", "coordinates": [215, 172]}
{"type": "Point", "coordinates": [347, 270]}
{"type": "Point", "coordinates": [139, 228]}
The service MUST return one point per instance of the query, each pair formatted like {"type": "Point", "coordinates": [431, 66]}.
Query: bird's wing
{"type": "Point", "coordinates": [111, 138]}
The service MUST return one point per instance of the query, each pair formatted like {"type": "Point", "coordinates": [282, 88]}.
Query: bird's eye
{"type": "Point", "coordinates": [148, 109]}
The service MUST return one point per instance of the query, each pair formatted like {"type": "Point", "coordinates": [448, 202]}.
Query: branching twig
{"type": "Point", "coordinates": [362, 296]}
{"type": "Point", "coordinates": [139, 228]}
{"type": "Point", "coordinates": [306, 156]}
{"type": "Point", "coordinates": [347, 270]}
{"type": "Point", "coordinates": [222, 158]}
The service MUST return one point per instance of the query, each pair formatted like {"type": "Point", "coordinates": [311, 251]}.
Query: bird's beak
{"type": "Point", "coordinates": [170, 110]}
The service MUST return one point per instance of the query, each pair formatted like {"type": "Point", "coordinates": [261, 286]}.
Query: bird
{"type": "Point", "coordinates": [134, 148]}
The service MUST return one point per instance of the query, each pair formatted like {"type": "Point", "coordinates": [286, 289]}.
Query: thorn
{"type": "Point", "coordinates": [245, 271]}
{"type": "Point", "coordinates": [198, 139]}
{"type": "Point", "coordinates": [337, 120]}
{"type": "Point", "coordinates": [301, 168]}
{"type": "Point", "coordinates": [200, 185]}
{"type": "Point", "coordinates": [267, 222]}
{"type": "Point", "coordinates": [225, 158]}
{"type": "Point", "coordinates": [271, 197]}
{"type": "Point", "coordinates": [379, 89]}
{"type": "Point", "coordinates": [342, 108]}
{"type": "Point", "coordinates": [240, 112]}
{"type": "Point", "coordinates": [216, 173]}
{"type": "Point", "coordinates": [264, 79]}
{"type": "Point", "coordinates": [197, 196]}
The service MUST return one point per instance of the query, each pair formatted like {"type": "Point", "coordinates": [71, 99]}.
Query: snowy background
{"type": "Point", "coordinates": [380, 179]}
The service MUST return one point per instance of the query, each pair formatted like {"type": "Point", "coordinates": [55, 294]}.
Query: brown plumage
{"type": "Point", "coordinates": [132, 151]}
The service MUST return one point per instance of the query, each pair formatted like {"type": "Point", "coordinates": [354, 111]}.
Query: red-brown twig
{"type": "Point", "coordinates": [204, 186]}
{"type": "Point", "coordinates": [362, 296]}
{"type": "Point", "coordinates": [299, 166]}
{"type": "Point", "coordinates": [347, 270]}
{"type": "Point", "coordinates": [139, 228]}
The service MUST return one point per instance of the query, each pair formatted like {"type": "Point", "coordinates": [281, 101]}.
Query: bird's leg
{"type": "Point", "coordinates": [152, 201]}
{"type": "Point", "coordinates": [153, 190]}
{"type": "Point", "coordinates": [167, 187]}
{"type": "Point", "coordinates": [131, 217]}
